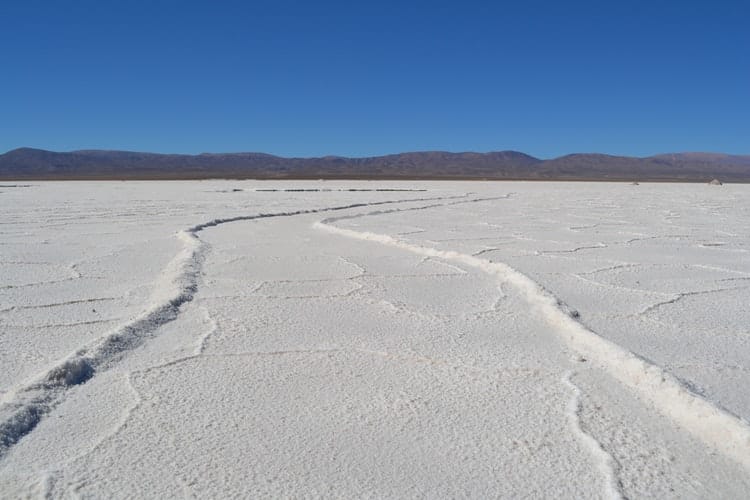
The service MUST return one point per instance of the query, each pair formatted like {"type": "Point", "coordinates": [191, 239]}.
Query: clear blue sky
{"type": "Point", "coordinates": [364, 78]}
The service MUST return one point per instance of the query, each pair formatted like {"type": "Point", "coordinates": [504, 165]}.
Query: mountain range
{"type": "Point", "coordinates": [38, 164]}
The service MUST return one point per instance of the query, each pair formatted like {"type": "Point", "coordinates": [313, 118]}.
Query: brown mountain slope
{"type": "Point", "coordinates": [28, 163]}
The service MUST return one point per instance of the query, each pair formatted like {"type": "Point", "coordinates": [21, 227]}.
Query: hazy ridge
{"type": "Point", "coordinates": [38, 164]}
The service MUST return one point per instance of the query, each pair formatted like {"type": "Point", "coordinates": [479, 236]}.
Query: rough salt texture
{"type": "Point", "coordinates": [171, 339]}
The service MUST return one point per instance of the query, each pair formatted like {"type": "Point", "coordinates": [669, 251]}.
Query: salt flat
{"type": "Point", "coordinates": [374, 339]}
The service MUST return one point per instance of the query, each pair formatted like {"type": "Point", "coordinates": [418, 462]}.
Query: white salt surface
{"type": "Point", "coordinates": [162, 339]}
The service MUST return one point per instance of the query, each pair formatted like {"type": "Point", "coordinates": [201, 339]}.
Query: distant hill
{"type": "Point", "coordinates": [37, 164]}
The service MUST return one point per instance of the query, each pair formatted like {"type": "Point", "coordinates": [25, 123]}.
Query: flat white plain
{"type": "Point", "coordinates": [374, 339]}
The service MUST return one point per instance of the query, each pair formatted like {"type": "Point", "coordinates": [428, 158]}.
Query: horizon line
{"type": "Point", "coordinates": [415, 151]}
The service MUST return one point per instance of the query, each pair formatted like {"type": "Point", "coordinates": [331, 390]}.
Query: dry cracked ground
{"type": "Point", "coordinates": [374, 339]}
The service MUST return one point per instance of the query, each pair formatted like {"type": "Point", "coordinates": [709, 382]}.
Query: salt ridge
{"type": "Point", "coordinates": [711, 424]}
{"type": "Point", "coordinates": [23, 407]}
